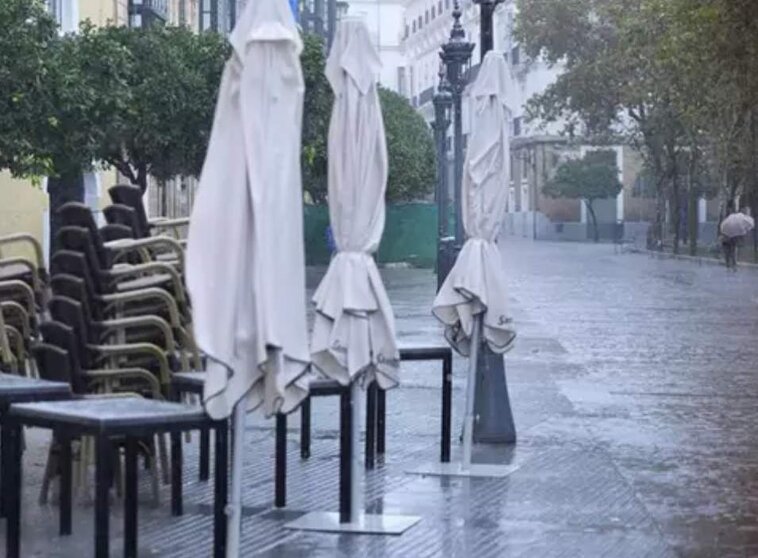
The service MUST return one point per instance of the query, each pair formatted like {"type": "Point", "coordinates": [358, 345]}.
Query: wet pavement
{"type": "Point", "coordinates": [634, 391]}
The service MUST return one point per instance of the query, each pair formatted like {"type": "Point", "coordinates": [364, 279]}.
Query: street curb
{"type": "Point", "coordinates": [700, 260]}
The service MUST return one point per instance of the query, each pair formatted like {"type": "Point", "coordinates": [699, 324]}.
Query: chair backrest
{"type": "Point", "coordinates": [69, 312]}
{"type": "Point", "coordinates": [54, 364]}
{"type": "Point", "coordinates": [120, 214]}
{"type": "Point", "coordinates": [75, 288]}
{"type": "Point", "coordinates": [75, 214]}
{"type": "Point", "coordinates": [75, 263]}
{"type": "Point", "coordinates": [62, 337]}
{"type": "Point", "coordinates": [78, 239]}
{"type": "Point", "coordinates": [132, 196]}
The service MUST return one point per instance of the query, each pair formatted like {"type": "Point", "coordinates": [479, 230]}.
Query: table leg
{"type": "Point", "coordinates": [447, 405]}
{"type": "Point", "coordinates": [205, 454]}
{"type": "Point", "coordinates": [4, 460]}
{"type": "Point", "coordinates": [346, 456]}
{"type": "Point", "coordinates": [305, 429]}
{"type": "Point", "coordinates": [177, 503]}
{"type": "Point", "coordinates": [64, 443]}
{"type": "Point", "coordinates": [12, 488]}
{"type": "Point", "coordinates": [221, 488]}
{"type": "Point", "coordinates": [381, 416]}
{"type": "Point", "coordinates": [280, 475]}
{"type": "Point", "coordinates": [103, 458]}
{"type": "Point", "coordinates": [130, 500]}
{"type": "Point", "coordinates": [371, 425]}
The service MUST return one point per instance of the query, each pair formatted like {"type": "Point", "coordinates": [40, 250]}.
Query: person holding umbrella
{"type": "Point", "coordinates": [734, 226]}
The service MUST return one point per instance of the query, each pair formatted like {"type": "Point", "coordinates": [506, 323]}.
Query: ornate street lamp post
{"type": "Point", "coordinates": [456, 54]}
{"type": "Point", "coordinates": [486, 10]}
{"type": "Point", "coordinates": [443, 102]}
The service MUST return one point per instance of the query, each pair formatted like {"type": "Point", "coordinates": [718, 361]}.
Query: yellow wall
{"type": "Point", "coordinates": [22, 207]}
{"type": "Point", "coordinates": [102, 12]}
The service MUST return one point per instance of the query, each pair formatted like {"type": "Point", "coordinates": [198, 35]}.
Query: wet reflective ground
{"type": "Point", "coordinates": [634, 390]}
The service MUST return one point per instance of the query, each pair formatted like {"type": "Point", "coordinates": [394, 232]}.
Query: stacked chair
{"type": "Point", "coordinates": [112, 318]}
{"type": "Point", "coordinates": [23, 292]}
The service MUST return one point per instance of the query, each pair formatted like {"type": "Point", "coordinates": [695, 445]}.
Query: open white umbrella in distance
{"type": "Point", "coordinates": [354, 330]}
{"type": "Point", "coordinates": [736, 225]}
{"type": "Point", "coordinates": [245, 255]}
{"type": "Point", "coordinates": [472, 302]}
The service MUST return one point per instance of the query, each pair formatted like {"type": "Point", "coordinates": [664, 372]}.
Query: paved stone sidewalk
{"type": "Point", "coordinates": [634, 393]}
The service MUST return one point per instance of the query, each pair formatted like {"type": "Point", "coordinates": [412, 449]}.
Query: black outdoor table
{"type": "Point", "coordinates": [125, 419]}
{"type": "Point", "coordinates": [19, 389]}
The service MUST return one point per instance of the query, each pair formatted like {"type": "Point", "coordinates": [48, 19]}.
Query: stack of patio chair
{"type": "Point", "coordinates": [23, 292]}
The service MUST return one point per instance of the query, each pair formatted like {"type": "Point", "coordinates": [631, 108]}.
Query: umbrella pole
{"type": "Point", "coordinates": [357, 473]}
{"type": "Point", "coordinates": [468, 423]}
{"type": "Point", "coordinates": [234, 511]}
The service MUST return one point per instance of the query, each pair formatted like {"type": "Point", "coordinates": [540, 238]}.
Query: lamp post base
{"type": "Point", "coordinates": [492, 406]}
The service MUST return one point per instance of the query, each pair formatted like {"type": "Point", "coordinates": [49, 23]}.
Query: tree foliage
{"type": "Point", "coordinates": [410, 145]}
{"type": "Point", "coordinates": [172, 77]}
{"type": "Point", "coordinates": [591, 178]}
{"type": "Point", "coordinates": [410, 149]}
{"type": "Point", "coordinates": [674, 77]}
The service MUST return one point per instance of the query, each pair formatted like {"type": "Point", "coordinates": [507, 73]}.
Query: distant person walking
{"type": "Point", "coordinates": [734, 226]}
{"type": "Point", "coordinates": [330, 241]}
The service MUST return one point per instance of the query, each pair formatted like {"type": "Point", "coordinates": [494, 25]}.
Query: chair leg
{"type": "Point", "coordinates": [118, 477]}
{"type": "Point", "coordinates": [51, 467]}
{"type": "Point", "coordinates": [163, 456]}
{"type": "Point", "coordinates": [154, 475]}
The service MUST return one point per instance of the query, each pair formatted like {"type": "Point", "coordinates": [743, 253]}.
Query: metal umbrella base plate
{"type": "Point", "coordinates": [352, 519]}
{"type": "Point", "coordinates": [366, 524]}
{"type": "Point", "coordinates": [481, 470]}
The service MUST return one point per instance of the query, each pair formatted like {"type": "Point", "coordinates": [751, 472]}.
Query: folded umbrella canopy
{"type": "Point", "coordinates": [473, 300]}
{"type": "Point", "coordinates": [736, 225]}
{"type": "Point", "coordinates": [354, 329]}
{"type": "Point", "coordinates": [245, 256]}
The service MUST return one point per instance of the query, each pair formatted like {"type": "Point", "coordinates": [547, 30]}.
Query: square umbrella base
{"type": "Point", "coordinates": [481, 470]}
{"type": "Point", "coordinates": [367, 524]}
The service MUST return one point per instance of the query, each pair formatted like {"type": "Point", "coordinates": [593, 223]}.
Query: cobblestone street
{"type": "Point", "coordinates": [634, 389]}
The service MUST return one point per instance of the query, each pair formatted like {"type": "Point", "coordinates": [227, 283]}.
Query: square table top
{"type": "Point", "coordinates": [16, 389]}
{"type": "Point", "coordinates": [111, 415]}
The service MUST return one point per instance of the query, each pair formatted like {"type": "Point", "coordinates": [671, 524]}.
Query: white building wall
{"type": "Point", "coordinates": [384, 20]}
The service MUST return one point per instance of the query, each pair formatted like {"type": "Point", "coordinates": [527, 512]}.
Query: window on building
{"type": "Point", "coordinates": [525, 166]}
{"type": "Point", "coordinates": [465, 141]}
{"type": "Point", "coordinates": [449, 144]}
{"type": "Point", "coordinates": [515, 56]}
{"type": "Point", "coordinates": [434, 12]}
{"type": "Point", "coordinates": [414, 26]}
{"type": "Point", "coordinates": [439, 7]}
{"type": "Point", "coordinates": [447, 4]}
{"type": "Point", "coordinates": [426, 16]}
{"type": "Point", "coordinates": [407, 31]}
{"type": "Point", "coordinates": [517, 127]}
{"type": "Point", "coordinates": [420, 22]}
{"type": "Point", "coordinates": [401, 85]}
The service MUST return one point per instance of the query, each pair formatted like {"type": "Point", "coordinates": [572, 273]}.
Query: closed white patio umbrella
{"type": "Point", "coordinates": [245, 255]}
{"type": "Point", "coordinates": [354, 331]}
{"type": "Point", "coordinates": [472, 302]}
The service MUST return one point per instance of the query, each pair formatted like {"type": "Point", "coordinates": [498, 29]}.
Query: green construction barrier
{"type": "Point", "coordinates": [410, 235]}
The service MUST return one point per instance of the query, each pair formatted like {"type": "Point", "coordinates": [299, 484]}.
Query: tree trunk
{"type": "Point", "coordinates": [676, 212]}
{"type": "Point", "coordinates": [61, 190]}
{"type": "Point", "coordinates": [593, 217]}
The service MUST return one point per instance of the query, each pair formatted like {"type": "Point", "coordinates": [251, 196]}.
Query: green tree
{"type": "Point", "coordinates": [410, 146]}
{"type": "Point", "coordinates": [613, 82]}
{"type": "Point", "coordinates": [172, 81]}
{"type": "Point", "coordinates": [27, 34]}
{"type": "Point", "coordinates": [317, 109]}
{"type": "Point", "coordinates": [592, 178]}
{"type": "Point", "coordinates": [410, 149]}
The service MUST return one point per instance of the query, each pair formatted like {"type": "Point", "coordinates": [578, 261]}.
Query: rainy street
{"type": "Point", "coordinates": [633, 388]}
